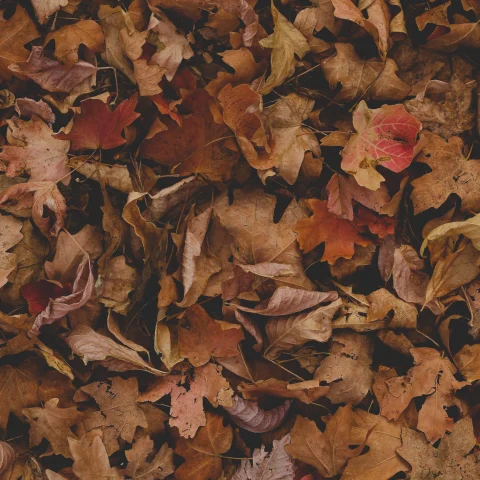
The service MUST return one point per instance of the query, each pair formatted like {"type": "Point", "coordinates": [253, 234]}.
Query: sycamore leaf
{"type": "Point", "coordinates": [347, 369]}
{"type": "Point", "coordinates": [118, 404]}
{"type": "Point", "coordinates": [69, 38]}
{"type": "Point", "coordinates": [93, 346]}
{"type": "Point", "coordinates": [90, 459]}
{"type": "Point", "coordinates": [451, 173]}
{"type": "Point", "coordinates": [196, 146]}
{"type": "Point", "coordinates": [276, 465]}
{"type": "Point", "coordinates": [383, 439]}
{"type": "Point", "coordinates": [200, 337]}
{"type": "Point", "coordinates": [187, 412]}
{"type": "Point", "coordinates": [363, 79]}
{"type": "Point", "coordinates": [287, 44]}
{"type": "Point", "coordinates": [433, 376]}
{"type": "Point", "coordinates": [285, 333]}
{"type": "Point", "coordinates": [250, 417]}
{"type": "Point", "coordinates": [52, 75]}
{"type": "Point", "coordinates": [386, 135]}
{"type": "Point", "coordinates": [18, 30]}
{"type": "Point", "coordinates": [339, 235]}
{"type": "Point", "coordinates": [34, 150]}
{"type": "Point", "coordinates": [447, 462]}
{"type": "Point", "coordinates": [7, 456]}
{"type": "Point", "coordinates": [10, 235]}
{"type": "Point", "coordinates": [160, 467]}
{"type": "Point", "coordinates": [52, 423]}
{"type": "Point", "coordinates": [327, 451]}
{"type": "Point", "coordinates": [201, 454]}
{"type": "Point", "coordinates": [98, 127]}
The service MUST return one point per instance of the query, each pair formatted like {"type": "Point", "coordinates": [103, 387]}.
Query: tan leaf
{"type": "Point", "coordinates": [468, 362]}
{"type": "Point", "coordinates": [10, 236]}
{"type": "Point", "coordinates": [7, 456]}
{"type": "Point", "coordinates": [52, 423]}
{"type": "Point", "coordinates": [287, 44]}
{"type": "Point", "coordinates": [45, 8]}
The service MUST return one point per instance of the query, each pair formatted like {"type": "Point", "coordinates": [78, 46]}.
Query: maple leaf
{"type": "Point", "coordinates": [201, 453]}
{"type": "Point", "coordinates": [90, 459]}
{"type": "Point", "coordinates": [250, 417]}
{"type": "Point", "coordinates": [386, 135]}
{"type": "Point", "coordinates": [69, 38]}
{"type": "Point", "coordinates": [98, 127]}
{"type": "Point", "coordinates": [276, 465]}
{"type": "Point", "coordinates": [286, 43]}
{"type": "Point", "coordinates": [18, 30]}
{"type": "Point", "coordinates": [202, 337]}
{"type": "Point", "coordinates": [246, 13]}
{"type": "Point", "coordinates": [196, 146]}
{"type": "Point", "coordinates": [52, 75]}
{"type": "Point", "coordinates": [339, 235]}
{"type": "Point", "coordinates": [118, 405]}
{"type": "Point", "coordinates": [451, 173]}
{"type": "Point", "coordinates": [449, 461]}
{"type": "Point", "coordinates": [368, 79]}
{"type": "Point", "coordinates": [160, 467]}
{"type": "Point", "coordinates": [347, 368]}
{"type": "Point", "coordinates": [9, 236]}
{"type": "Point", "coordinates": [34, 150]}
{"type": "Point", "coordinates": [187, 412]}
{"type": "Point", "coordinates": [433, 376]}
{"type": "Point", "coordinates": [52, 423]}
{"type": "Point", "coordinates": [327, 451]}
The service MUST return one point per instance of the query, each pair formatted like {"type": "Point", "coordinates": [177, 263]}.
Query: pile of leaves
{"type": "Point", "coordinates": [240, 239]}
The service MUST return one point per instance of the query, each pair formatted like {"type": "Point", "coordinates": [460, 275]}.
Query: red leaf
{"type": "Point", "coordinates": [38, 294]}
{"type": "Point", "coordinates": [98, 127]}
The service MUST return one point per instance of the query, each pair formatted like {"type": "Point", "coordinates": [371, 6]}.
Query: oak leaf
{"type": "Point", "coordinates": [118, 405]}
{"type": "Point", "coordinates": [450, 461]}
{"type": "Point", "coordinates": [287, 44]}
{"type": "Point", "coordinates": [250, 417]}
{"type": "Point", "coordinates": [451, 173]}
{"type": "Point", "coordinates": [18, 30]}
{"type": "Point", "coordinates": [52, 423]}
{"type": "Point", "coordinates": [33, 149]}
{"type": "Point", "coordinates": [459, 35]}
{"type": "Point", "coordinates": [201, 454]}
{"type": "Point", "coordinates": [276, 465]}
{"type": "Point", "coordinates": [339, 235]}
{"type": "Point", "coordinates": [327, 451]}
{"type": "Point", "coordinates": [433, 376]}
{"type": "Point", "coordinates": [69, 38]}
{"type": "Point", "coordinates": [187, 412]}
{"type": "Point", "coordinates": [285, 333]}
{"type": "Point", "coordinates": [51, 75]}
{"type": "Point", "coordinates": [347, 369]}
{"type": "Point", "coordinates": [160, 467]}
{"type": "Point", "coordinates": [203, 338]}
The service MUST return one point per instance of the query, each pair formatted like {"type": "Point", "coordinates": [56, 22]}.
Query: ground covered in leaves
{"type": "Point", "coordinates": [239, 239]}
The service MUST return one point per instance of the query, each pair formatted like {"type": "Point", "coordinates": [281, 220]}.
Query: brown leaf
{"type": "Point", "coordinates": [433, 376]}
{"type": "Point", "coordinates": [202, 337]}
{"type": "Point", "coordinates": [187, 412]}
{"type": "Point", "coordinates": [347, 368]}
{"type": "Point", "coordinates": [201, 453]}
{"type": "Point", "coordinates": [468, 362]}
{"type": "Point", "coordinates": [9, 237]}
{"type": "Point", "coordinates": [160, 467]}
{"type": "Point", "coordinates": [327, 451]}
{"type": "Point", "coordinates": [52, 423]}
{"type": "Point", "coordinates": [7, 456]}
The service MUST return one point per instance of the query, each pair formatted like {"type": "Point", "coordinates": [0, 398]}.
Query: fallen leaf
{"type": "Point", "coordinates": [9, 237]}
{"type": "Point", "coordinates": [467, 361]}
{"type": "Point", "coordinates": [459, 35]}
{"type": "Point", "coordinates": [26, 107]}
{"type": "Point", "coordinates": [7, 456]}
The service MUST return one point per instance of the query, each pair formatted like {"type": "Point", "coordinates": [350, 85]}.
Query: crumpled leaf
{"type": "Point", "coordinates": [98, 127]}
{"type": "Point", "coordinates": [276, 465]}
{"type": "Point", "coordinates": [7, 456]}
{"type": "Point", "coordinates": [287, 44]}
{"type": "Point", "coordinates": [327, 451]}
{"type": "Point", "coordinates": [187, 412]}
{"type": "Point", "coordinates": [46, 8]}
{"type": "Point", "coordinates": [385, 136]}
{"type": "Point", "coordinates": [139, 468]}
{"type": "Point", "coordinates": [52, 423]}
{"type": "Point", "coordinates": [250, 417]}
{"type": "Point", "coordinates": [433, 376]}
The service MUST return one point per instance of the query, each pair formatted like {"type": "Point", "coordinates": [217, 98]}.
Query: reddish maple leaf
{"type": "Point", "coordinates": [339, 235]}
{"type": "Point", "coordinates": [387, 135]}
{"type": "Point", "coordinates": [380, 225]}
{"type": "Point", "coordinates": [98, 127]}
